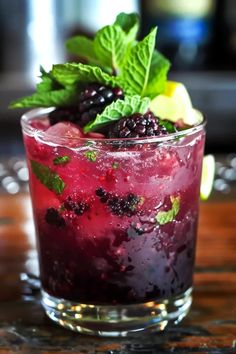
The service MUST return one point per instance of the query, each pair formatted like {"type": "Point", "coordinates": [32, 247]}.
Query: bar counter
{"type": "Point", "coordinates": [209, 328]}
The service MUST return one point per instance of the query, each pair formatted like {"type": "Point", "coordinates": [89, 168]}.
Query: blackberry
{"type": "Point", "coordinates": [137, 126]}
{"type": "Point", "coordinates": [68, 114]}
{"type": "Point", "coordinates": [53, 217]}
{"type": "Point", "coordinates": [94, 99]}
{"type": "Point", "coordinates": [121, 206]}
{"type": "Point", "coordinates": [78, 207]}
{"type": "Point", "coordinates": [91, 101]}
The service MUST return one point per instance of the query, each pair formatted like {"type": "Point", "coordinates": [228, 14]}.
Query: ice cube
{"type": "Point", "coordinates": [40, 124]}
{"type": "Point", "coordinates": [64, 132]}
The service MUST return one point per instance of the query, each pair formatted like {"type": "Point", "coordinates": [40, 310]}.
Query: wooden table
{"type": "Point", "coordinates": [209, 328]}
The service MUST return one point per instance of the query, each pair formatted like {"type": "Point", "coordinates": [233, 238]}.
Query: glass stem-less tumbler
{"type": "Point", "coordinates": [116, 223]}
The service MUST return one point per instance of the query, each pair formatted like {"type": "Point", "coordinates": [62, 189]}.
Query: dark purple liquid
{"type": "Point", "coordinates": [113, 251]}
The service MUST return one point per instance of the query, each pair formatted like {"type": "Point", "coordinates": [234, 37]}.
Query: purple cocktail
{"type": "Point", "coordinates": [116, 224]}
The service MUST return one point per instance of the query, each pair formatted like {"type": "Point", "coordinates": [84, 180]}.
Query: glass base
{"type": "Point", "coordinates": [119, 320]}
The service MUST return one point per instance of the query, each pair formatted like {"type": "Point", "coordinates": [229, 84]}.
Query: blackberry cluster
{"type": "Point", "coordinates": [53, 217]}
{"type": "Point", "coordinates": [78, 207]}
{"type": "Point", "coordinates": [94, 99]}
{"type": "Point", "coordinates": [137, 126]}
{"type": "Point", "coordinates": [91, 101]}
{"type": "Point", "coordinates": [121, 206]}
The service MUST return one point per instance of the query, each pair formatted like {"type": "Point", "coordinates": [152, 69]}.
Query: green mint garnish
{"type": "Point", "coordinates": [163, 217]}
{"type": "Point", "coordinates": [47, 177]}
{"type": "Point", "coordinates": [61, 160]}
{"type": "Point", "coordinates": [119, 109]}
{"type": "Point", "coordinates": [50, 93]}
{"type": "Point", "coordinates": [116, 59]}
{"type": "Point", "coordinates": [110, 43]}
{"type": "Point", "coordinates": [91, 155]}
{"type": "Point", "coordinates": [115, 165]}
{"type": "Point", "coordinates": [135, 72]}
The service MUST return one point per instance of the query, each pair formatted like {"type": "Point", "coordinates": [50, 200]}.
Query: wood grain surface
{"type": "Point", "coordinates": [209, 328]}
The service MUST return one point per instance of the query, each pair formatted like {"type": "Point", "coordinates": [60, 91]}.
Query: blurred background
{"type": "Point", "coordinates": [199, 38]}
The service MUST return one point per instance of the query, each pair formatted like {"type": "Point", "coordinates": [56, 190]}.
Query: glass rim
{"type": "Point", "coordinates": [37, 112]}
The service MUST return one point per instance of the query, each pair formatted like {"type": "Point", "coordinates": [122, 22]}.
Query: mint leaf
{"type": "Point", "coordinates": [47, 83]}
{"type": "Point", "coordinates": [163, 217]}
{"type": "Point", "coordinates": [157, 75]}
{"type": "Point", "coordinates": [109, 46]}
{"type": "Point", "coordinates": [91, 155]}
{"type": "Point", "coordinates": [129, 23]}
{"type": "Point", "coordinates": [61, 160]}
{"type": "Point", "coordinates": [49, 93]}
{"type": "Point", "coordinates": [57, 98]}
{"type": "Point", "coordinates": [47, 177]}
{"type": "Point", "coordinates": [136, 69]}
{"type": "Point", "coordinates": [117, 110]}
{"type": "Point", "coordinates": [72, 73]}
{"type": "Point", "coordinates": [83, 47]}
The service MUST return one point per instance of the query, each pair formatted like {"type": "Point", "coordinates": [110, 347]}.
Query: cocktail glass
{"type": "Point", "coordinates": [116, 224]}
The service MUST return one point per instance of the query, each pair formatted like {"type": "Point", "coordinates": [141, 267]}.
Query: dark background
{"type": "Point", "coordinates": [199, 37]}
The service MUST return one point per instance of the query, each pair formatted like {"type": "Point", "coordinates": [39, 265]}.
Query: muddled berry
{"type": "Point", "coordinates": [53, 217]}
{"type": "Point", "coordinates": [137, 126]}
{"type": "Point", "coordinates": [104, 196]}
{"type": "Point", "coordinates": [125, 205]}
{"type": "Point", "coordinates": [100, 192]}
{"type": "Point", "coordinates": [78, 207]}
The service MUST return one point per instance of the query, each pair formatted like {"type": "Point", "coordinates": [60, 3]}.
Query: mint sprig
{"type": "Point", "coordinates": [117, 59]}
{"type": "Point", "coordinates": [117, 110]}
{"type": "Point", "coordinates": [47, 177]}
{"type": "Point", "coordinates": [164, 217]}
